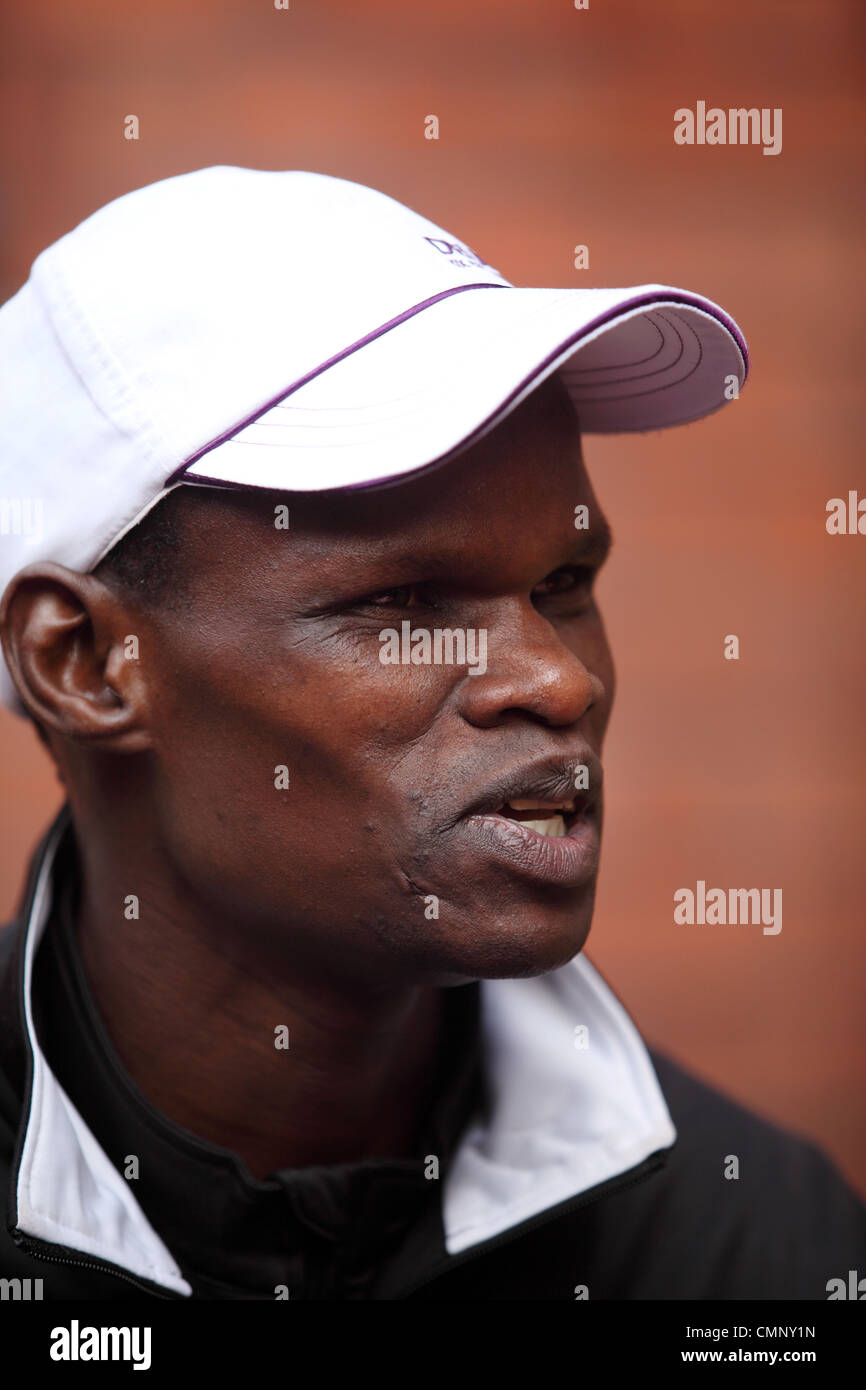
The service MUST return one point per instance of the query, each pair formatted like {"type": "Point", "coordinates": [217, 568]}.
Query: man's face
{"type": "Point", "coordinates": [391, 856]}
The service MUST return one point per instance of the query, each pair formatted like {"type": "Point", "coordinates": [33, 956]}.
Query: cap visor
{"type": "Point", "coordinates": [427, 386]}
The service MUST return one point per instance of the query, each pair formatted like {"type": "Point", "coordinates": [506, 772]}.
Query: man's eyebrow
{"type": "Point", "coordinates": [591, 546]}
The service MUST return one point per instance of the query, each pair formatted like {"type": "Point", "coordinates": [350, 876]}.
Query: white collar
{"type": "Point", "coordinates": [563, 1119]}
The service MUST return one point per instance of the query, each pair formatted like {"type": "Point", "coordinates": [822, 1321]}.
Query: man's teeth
{"type": "Point", "coordinates": [551, 823]}
{"type": "Point", "coordinates": [554, 826]}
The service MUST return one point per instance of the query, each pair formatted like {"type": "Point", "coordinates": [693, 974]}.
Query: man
{"type": "Point", "coordinates": [295, 1004]}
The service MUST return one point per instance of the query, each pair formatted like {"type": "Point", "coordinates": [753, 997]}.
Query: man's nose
{"type": "Point", "coordinates": [529, 669]}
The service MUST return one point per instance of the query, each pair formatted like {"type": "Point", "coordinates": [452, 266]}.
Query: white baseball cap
{"type": "Point", "coordinates": [291, 330]}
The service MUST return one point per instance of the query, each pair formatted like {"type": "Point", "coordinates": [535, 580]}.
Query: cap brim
{"type": "Point", "coordinates": [425, 387]}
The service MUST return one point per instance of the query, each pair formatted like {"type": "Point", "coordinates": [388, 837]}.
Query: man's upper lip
{"type": "Point", "coordinates": [549, 779]}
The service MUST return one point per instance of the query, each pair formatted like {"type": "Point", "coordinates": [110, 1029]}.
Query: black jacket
{"type": "Point", "coordinates": [586, 1165]}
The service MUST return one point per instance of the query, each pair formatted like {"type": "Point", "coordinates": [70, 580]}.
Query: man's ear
{"type": "Point", "coordinates": [73, 658]}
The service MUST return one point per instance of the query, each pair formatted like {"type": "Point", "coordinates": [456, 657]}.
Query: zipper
{"type": "Point", "coordinates": [45, 1250]}
{"type": "Point", "coordinates": [649, 1165]}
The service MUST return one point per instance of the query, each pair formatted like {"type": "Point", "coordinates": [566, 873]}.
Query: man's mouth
{"type": "Point", "coordinates": [540, 821]}
{"type": "Point", "coordinates": [544, 817]}
{"type": "Point", "coordinates": [548, 796]}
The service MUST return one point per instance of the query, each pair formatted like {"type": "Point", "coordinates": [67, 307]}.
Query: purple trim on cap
{"type": "Point", "coordinates": [323, 367]}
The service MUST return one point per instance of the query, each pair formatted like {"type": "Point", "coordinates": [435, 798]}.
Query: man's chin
{"type": "Point", "coordinates": [506, 949]}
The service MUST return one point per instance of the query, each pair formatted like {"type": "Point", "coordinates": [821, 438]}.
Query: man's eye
{"type": "Point", "coordinates": [399, 597]}
{"type": "Point", "coordinates": [565, 580]}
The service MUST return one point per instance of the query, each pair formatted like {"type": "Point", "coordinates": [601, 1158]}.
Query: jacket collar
{"type": "Point", "coordinates": [568, 1112]}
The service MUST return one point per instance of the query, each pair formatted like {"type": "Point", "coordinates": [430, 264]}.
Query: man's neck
{"type": "Point", "coordinates": [203, 1036]}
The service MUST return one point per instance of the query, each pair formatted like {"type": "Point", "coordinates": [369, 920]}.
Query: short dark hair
{"type": "Point", "coordinates": [147, 563]}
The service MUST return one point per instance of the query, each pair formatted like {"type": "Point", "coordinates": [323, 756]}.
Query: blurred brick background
{"type": "Point", "coordinates": [556, 128]}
